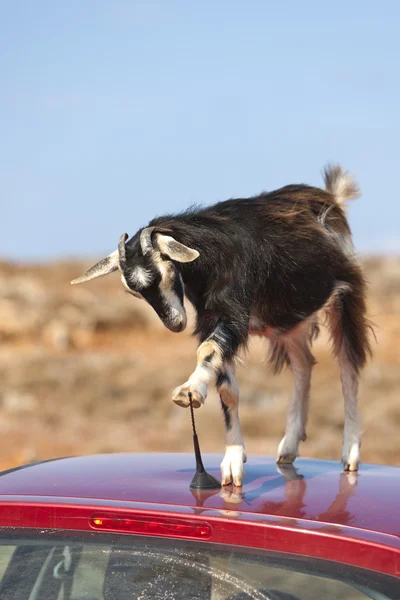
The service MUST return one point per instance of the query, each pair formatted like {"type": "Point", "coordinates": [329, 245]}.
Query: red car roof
{"type": "Point", "coordinates": [313, 490]}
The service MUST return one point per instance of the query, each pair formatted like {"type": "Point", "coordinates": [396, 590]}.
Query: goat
{"type": "Point", "coordinates": [266, 265]}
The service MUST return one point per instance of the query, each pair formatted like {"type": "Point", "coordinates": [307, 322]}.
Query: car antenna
{"type": "Point", "coordinates": [201, 480]}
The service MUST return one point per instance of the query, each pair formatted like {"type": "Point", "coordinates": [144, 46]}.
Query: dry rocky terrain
{"type": "Point", "coordinates": [90, 369]}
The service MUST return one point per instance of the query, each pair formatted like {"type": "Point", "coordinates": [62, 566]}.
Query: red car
{"type": "Point", "coordinates": [118, 527]}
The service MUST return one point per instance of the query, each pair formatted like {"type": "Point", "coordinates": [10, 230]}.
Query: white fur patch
{"type": "Point", "coordinates": [202, 375]}
{"type": "Point", "coordinates": [141, 277]}
{"type": "Point", "coordinates": [175, 306]}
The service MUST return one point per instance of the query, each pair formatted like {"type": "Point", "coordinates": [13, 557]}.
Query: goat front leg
{"type": "Point", "coordinates": [220, 346]}
{"type": "Point", "coordinates": [235, 454]}
{"type": "Point", "coordinates": [209, 362]}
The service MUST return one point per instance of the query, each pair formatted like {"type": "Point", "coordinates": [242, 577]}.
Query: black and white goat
{"type": "Point", "coordinates": [267, 266]}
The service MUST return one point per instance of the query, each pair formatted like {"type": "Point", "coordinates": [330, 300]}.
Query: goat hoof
{"type": "Point", "coordinates": [232, 466]}
{"type": "Point", "coordinates": [287, 451]}
{"type": "Point", "coordinates": [181, 397]}
{"type": "Point", "coordinates": [351, 456]}
{"type": "Point", "coordinates": [352, 467]}
{"type": "Point", "coordinates": [286, 459]}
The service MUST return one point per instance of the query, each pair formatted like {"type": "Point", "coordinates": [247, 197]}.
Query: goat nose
{"type": "Point", "coordinates": [176, 327]}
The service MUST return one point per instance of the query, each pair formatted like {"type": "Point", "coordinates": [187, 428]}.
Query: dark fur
{"type": "Point", "coordinates": [227, 415]}
{"type": "Point", "coordinates": [261, 265]}
{"type": "Point", "coordinates": [277, 256]}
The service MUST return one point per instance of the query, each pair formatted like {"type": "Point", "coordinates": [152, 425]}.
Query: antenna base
{"type": "Point", "coordinates": [204, 481]}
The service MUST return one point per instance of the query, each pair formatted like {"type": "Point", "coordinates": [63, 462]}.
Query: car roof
{"type": "Point", "coordinates": [313, 490]}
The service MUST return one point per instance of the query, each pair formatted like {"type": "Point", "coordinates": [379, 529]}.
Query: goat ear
{"type": "Point", "coordinates": [175, 250]}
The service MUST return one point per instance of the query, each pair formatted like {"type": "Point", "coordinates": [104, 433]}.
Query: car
{"type": "Point", "coordinates": [128, 526]}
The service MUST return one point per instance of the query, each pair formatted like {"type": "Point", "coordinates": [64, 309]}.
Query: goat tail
{"type": "Point", "coordinates": [340, 184]}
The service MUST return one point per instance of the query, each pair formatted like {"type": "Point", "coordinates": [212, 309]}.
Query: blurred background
{"type": "Point", "coordinates": [114, 112]}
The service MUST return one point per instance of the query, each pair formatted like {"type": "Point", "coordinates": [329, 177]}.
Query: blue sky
{"type": "Point", "coordinates": [114, 111]}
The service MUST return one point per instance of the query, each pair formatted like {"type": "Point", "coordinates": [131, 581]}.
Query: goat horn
{"type": "Point", "coordinates": [145, 240]}
{"type": "Point", "coordinates": [107, 265]}
{"type": "Point", "coordinates": [122, 250]}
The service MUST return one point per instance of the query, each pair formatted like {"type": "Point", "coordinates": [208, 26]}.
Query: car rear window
{"type": "Point", "coordinates": [51, 566]}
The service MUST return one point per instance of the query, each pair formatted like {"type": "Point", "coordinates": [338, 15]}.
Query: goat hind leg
{"type": "Point", "coordinates": [349, 329]}
{"type": "Point", "coordinates": [352, 427]}
{"type": "Point", "coordinates": [301, 363]}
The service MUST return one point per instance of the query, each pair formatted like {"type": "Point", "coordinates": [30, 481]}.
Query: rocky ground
{"type": "Point", "coordinates": [90, 369]}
